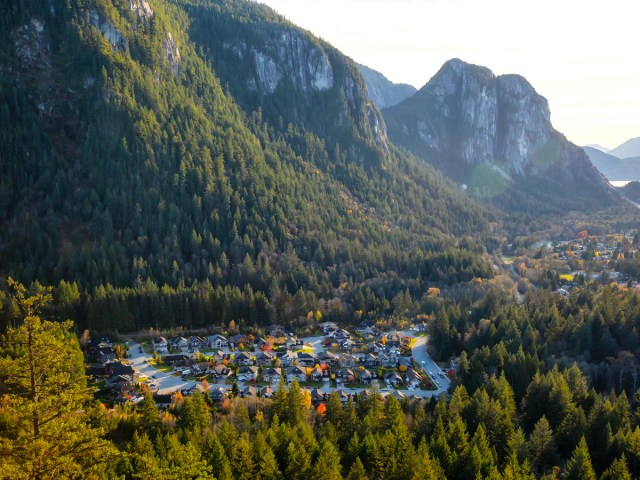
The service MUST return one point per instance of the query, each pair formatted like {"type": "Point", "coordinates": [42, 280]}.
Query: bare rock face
{"type": "Point", "coordinates": [109, 31]}
{"type": "Point", "coordinates": [141, 8]}
{"type": "Point", "coordinates": [291, 55]}
{"type": "Point", "coordinates": [172, 53]}
{"type": "Point", "coordinates": [31, 45]}
{"type": "Point", "coordinates": [465, 117]}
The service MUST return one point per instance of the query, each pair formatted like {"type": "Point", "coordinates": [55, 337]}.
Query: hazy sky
{"type": "Point", "coordinates": [584, 56]}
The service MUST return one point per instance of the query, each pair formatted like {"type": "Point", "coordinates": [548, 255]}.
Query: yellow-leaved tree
{"type": "Point", "coordinates": [45, 430]}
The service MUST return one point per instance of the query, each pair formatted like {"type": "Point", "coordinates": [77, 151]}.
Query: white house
{"type": "Point", "coordinates": [218, 341]}
{"type": "Point", "coordinates": [160, 345]}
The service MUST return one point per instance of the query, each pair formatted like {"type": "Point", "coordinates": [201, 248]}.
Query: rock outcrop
{"type": "Point", "coordinates": [466, 120]}
{"type": "Point", "coordinates": [108, 30]}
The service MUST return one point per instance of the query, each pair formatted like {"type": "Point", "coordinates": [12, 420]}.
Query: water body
{"type": "Point", "coordinates": [620, 183]}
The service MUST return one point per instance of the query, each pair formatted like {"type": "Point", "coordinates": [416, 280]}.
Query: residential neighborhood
{"type": "Point", "coordinates": [350, 362]}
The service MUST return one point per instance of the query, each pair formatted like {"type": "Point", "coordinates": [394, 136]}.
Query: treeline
{"type": "Point", "coordinates": [214, 304]}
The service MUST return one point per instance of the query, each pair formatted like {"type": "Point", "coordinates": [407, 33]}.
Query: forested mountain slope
{"type": "Point", "coordinates": [171, 142]}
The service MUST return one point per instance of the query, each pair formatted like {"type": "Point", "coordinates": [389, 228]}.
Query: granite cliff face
{"type": "Point", "coordinates": [483, 129]}
{"type": "Point", "coordinates": [271, 64]}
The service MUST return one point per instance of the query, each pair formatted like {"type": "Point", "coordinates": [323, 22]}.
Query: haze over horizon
{"type": "Point", "coordinates": [580, 55]}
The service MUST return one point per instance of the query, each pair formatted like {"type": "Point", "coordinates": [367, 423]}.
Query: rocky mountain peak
{"type": "Point", "coordinates": [466, 117]}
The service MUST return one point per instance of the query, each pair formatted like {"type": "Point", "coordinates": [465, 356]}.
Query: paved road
{"type": "Point", "coordinates": [166, 383]}
{"type": "Point", "coordinates": [420, 355]}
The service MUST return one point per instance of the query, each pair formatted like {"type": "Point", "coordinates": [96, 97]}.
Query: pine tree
{"type": "Point", "coordinates": [543, 448]}
{"type": "Point", "coordinates": [327, 466]}
{"type": "Point", "coordinates": [618, 470]}
{"type": "Point", "coordinates": [214, 453]}
{"type": "Point", "coordinates": [47, 432]}
{"type": "Point", "coordinates": [579, 467]}
{"type": "Point", "coordinates": [298, 462]}
{"type": "Point", "coordinates": [149, 415]}
{"type": "Point", "coordinates": [357, 471]}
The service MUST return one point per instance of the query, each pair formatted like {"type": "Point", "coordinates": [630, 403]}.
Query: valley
{"type": "Point", "coordinates": [229, 251]}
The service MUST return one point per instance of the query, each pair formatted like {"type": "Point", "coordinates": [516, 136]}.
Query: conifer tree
{"type": "Point", "coordinates": [357, 471]}
{"type": "Point", "coordinates": [47, 432]}
{"type": "Point", "coordinates": [579, 467]}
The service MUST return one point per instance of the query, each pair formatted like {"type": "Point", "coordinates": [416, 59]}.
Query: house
{"type": "Point", "coordinates": [287, 358]}
{"type": "Point", "coordinates": [199, 368]}
{"type": "Point", "coordinates": [393, 379]}
{"type": "Point", "coordinates": [118, 368]}
{"type": "Point", "coordinates": [236, 340]}
{"type": "Point", "coordinates": [220, 357]}
{"type": "Point", "coordinates": [179, 343]}
{"type": "Point", "coordinates": [344, 396]}
{"type": "Point", "coordinates": [345, 376]}
{"type": "Point", "coordinates": [346, 344]}
{"type": "Point", "coordinates": [365, 377]}
{"type": "Point", "coordinates": [248, 374]}
{"type": "Point", "coordinates": [243, 358]}
{"type": "Point", "coordinates": [178, 360]}
{"type": "Point", "coordinates": [218, 341]}
{"type": "Point", "coordinates": [291, 342]}
{"type": "Point", "coordinates": [388, 360]}
{"type": "Point", "coordinates": [394, 339]}
{"type": "Point", "coordinates": [316, 375]}
{"type": "Point", "coordinates": [163, 401]}
{"type": "Point", "coordinates": [341, 334]}
{"type": "Point", "coordinates": [414, 379]}
{"type": "Point", "coordinates": [328, 327]}
{"type": "Point", "coordinates": [327, 358]}
{"type": "Point", "coordinates": [369, 361]}
{"type": "Point", "coordinates": [266, 392]}
{"type": "Point", "coordinates": [218, 394]}
{"type": "Point", "coordinates": [264, 359]}
{"type": "Point", "coordinates": [317, 395]}
{"type": "Point", "coordinates": [259, 343]}
{"type": "Point", "coordinates": [221, 373]}
{"type": "Point", "coordinates": [105, 354]}
{"type": "Point", "coordinates": [272, 375]}
{"type": "Point", "coordinates": [298, 373]}
{"type": "Point", "coordinates": [306, 359]}
{"type": "Point", "coordinates": [347, 360]}
{"type": "Point", "coordinates": [250, 391]}
{"type": "Point", "coordinates": [276, 331]}
{"type": "Point", "coordinates": [160, 345]}
{"type": "Point", "coordinates": [198, 343]}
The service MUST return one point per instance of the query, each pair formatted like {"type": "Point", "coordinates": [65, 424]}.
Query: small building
{"type": "Point", "coordinates": [218, 341]}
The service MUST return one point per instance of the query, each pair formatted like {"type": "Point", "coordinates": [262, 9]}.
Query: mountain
{"type": "Point", "coordinates": [599, 147]}
{"type": "Point", "coordinates": [494, 135]}
{"type": "Point", "coordinates": [214, 148]}
{"type": "Point", "coordinates": [632, 191]}
{"type": "Point", "coordinates": [614, 168]}
{"type": "Point", "coordinates": [383, 91]}
{"type": "Point", "coordinates": [630, 148]}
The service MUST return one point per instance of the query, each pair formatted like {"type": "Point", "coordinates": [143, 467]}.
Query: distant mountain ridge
{"type": "Point", "coordinates": [494, 134]}
{"type": "Point", "coordinates": [383, 91]}
{"type": "Point", "coordinates": [629, 149]}
{"type": "Point", "coordinates": [614, 168]}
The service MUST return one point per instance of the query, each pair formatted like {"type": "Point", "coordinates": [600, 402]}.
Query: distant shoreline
{"type": "Point", "coordinates": [620, 183]}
